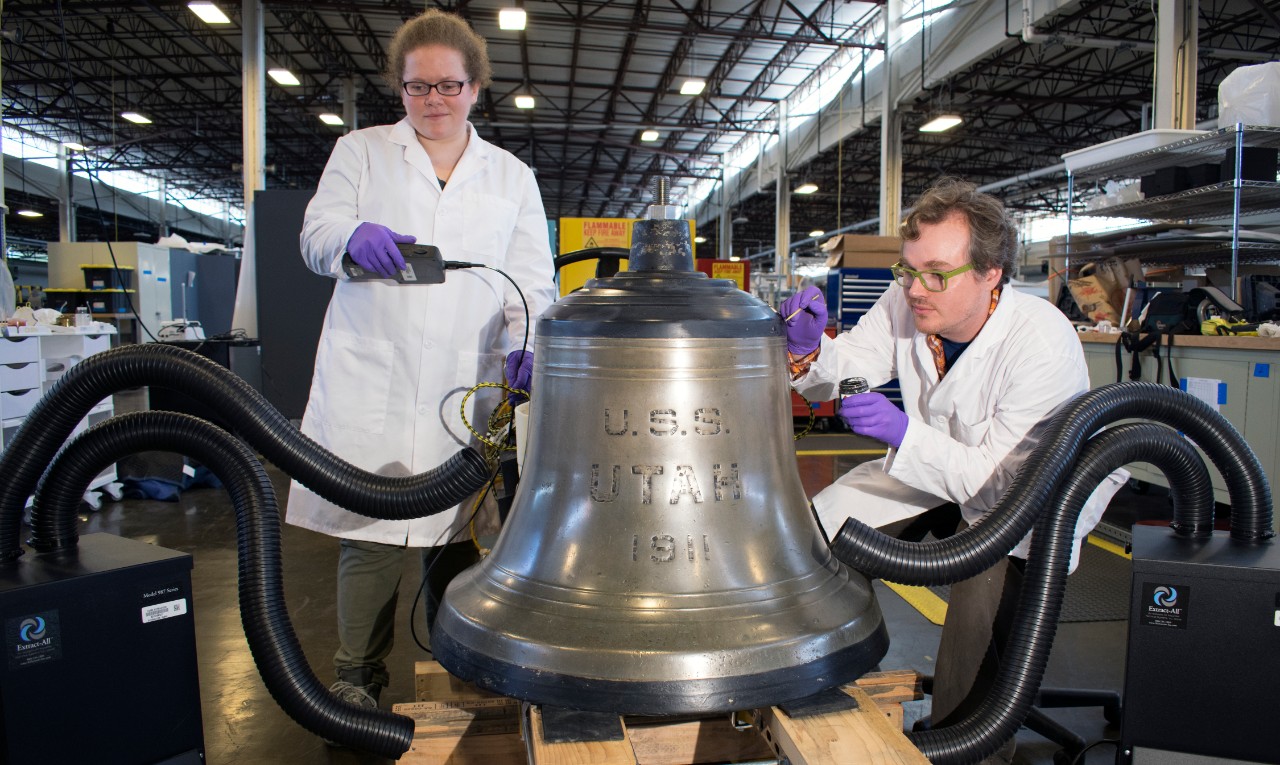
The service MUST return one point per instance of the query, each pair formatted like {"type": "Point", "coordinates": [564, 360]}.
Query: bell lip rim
{"type": "Point", "coordinates": [662, 697]}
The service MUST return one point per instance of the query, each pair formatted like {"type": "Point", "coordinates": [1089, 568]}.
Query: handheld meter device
{"type": "Point", "coordinates": [423, 264]}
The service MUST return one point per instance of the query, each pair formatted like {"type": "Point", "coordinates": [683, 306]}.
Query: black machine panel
{"type": "Point", "coordinates": [100, 659]}
{"type": "Point", "coordinates": [1204, 651]}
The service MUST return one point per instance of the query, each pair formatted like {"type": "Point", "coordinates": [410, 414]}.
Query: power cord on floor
{"type": "Point", "coordinates": [423, 589]}
{"type": "Point", "coordinates": [1079, 758]}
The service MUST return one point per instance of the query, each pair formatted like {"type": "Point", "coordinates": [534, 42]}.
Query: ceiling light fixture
{"type": "Point", "coordinates": [73, 146]}
{"type": "Point", "coordinates": [330, 119]}
{"type": "Point", "coordinates": [649, 136]}
{"type": "Point", "coordinates": [817, 232]}
{"type": "Point", "coordinates": [699, 240]}
{"type": "Point", "coordinates": [692, 87]}
{"type": "Point", "coordinates": [136, 118]}
{"type": "Point", "coordinates": [941, 123]}
{"type": "Point", "coordinates": [209, 13]}
{"type": "Point", "coordinates": [808, 187]}
{"type": "Point", "coordinates": [525, 102]}
{"type": "Point", "coordinates": [30, 214]}
{"type": "Point", "coordinates": [283, 77]}
{"type": "Point", "coordinates": [512, 19]}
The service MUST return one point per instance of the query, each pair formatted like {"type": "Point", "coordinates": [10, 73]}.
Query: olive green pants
{"type": "Point", "coordinates": [369, 576]}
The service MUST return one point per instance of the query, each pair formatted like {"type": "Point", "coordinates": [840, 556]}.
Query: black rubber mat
{"type": "Point", "coordinates": [1097, 591]}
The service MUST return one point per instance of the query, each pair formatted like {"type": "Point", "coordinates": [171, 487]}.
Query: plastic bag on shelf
{"type": "Point", "coordinates": [1093, 295]}
{"type": "Point", "coordinates": [1250, 95]}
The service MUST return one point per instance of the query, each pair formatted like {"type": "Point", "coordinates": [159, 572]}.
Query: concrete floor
{"type": "Point", "coordinates": [244, 725]}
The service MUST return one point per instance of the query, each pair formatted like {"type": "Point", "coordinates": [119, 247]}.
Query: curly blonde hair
{"type": "Point", "coordinates": [436, 27]}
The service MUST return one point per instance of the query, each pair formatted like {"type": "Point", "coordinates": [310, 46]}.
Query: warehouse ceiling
{"type": "Point", "coordinates": [601, 72]}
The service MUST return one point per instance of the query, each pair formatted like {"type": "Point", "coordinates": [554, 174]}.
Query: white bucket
{"type": "Point", "coordinates": [522, 433]}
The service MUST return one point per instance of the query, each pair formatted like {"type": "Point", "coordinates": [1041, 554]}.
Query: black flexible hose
{"type": "Point", "coordinates": [276, 651]}
{"type": "Point", "coordinates": [999, 715]}
{"type": "Point", "coordinates": [980, 546]}
{"type": "Point", "coordinates": [250, 415]}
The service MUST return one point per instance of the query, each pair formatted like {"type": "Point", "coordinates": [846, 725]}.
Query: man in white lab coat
{"type": "Point", "coordinates": [979, 366]}
{"type": "Point", "coordinates": [395, 360]}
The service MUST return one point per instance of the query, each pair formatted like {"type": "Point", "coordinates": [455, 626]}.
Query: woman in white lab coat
{"type": "Point", "coordinates": [394, 360]}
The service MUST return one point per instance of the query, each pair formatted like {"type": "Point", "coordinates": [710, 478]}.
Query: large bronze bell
{"type": "Point", "coordinates": [660, 556]}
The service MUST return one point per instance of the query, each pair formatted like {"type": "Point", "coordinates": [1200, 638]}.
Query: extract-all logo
{"type": "Point", "coordinates": [1165, 605]}
{"type": "Point", "coordinates": [33, 638]}
{"type": "Point", "coordinates": [32, 628]}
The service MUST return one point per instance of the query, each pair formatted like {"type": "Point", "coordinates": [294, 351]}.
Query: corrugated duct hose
{"type": "Point", "coordinates": [275, 648]}
{"type": "Point", "coordinates": [1061, 473]}
{"type": "Point", "coordinates": [280, 661]}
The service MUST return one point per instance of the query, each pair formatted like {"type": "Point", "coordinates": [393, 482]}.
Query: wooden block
{"type": "Point", "coordinates": [692, 742]}
{"type": "Point", "coordinates": [580, 753]}
{"type": "Point", "coordinates": [459, 724]}
{"type": "Point", "coordinates": [456, 718]}
{"type": "Point", "coordinates": [433, 683]}
{"type": "Point", "coordinates": [501, 749]}
{"type": "Point", "coordinates": [862, 736]}
{"type": "Point", "coordinates": [893, 687]}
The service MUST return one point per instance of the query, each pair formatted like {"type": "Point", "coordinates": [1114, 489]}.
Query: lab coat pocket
{"type": "Point", "coordinates": [969, 433]}
{"type": "Point", "coordinates": [353, 387]}
{"type": "Point", "coordinates": [473, 368]}
{"type": "Point", "coordinates": [490, 223]}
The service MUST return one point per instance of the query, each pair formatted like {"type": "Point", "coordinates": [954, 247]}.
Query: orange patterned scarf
{"type": "Point", "coordinates": [935, 343]}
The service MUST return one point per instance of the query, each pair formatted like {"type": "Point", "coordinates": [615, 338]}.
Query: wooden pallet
{"type": "Point", "coordinates": [457, 724]}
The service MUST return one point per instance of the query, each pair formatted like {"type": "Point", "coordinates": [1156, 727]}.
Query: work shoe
{"type": "Point", "coordinates": [360, 695]}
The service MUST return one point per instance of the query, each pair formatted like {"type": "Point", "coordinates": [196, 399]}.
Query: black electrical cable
{"type": "Point", "coordinates": [276, 651]}
{"type": "Point", "coordinates": [423, 588]}
{"type": "Point", "coordinates": [137, 316]}
{"type": "Point", "coordinates": [244, 410]}
{"type": "Point", "coordinates": [454, 265]}
{"type": "Point", "coordinates": [1079, 759]}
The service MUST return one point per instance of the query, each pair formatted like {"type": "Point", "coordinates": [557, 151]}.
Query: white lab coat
{"type": "Point", "coordinates": [394, 361]}
{"type": "Point", "coordinates": [969, 431]}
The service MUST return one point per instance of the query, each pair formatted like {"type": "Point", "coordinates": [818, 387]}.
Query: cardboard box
{"type": "Point", "coordinates": [853, 251]}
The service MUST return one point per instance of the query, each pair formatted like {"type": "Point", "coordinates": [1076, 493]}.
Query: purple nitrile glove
{"type": "Point", "coordinates": [805, 327]}
{"type": "Point", "coordinates": [871, 414]}
{"type": "Point", "coordinates": [519, 374]}
{"type": "Point", "coordinates": [373, 247]}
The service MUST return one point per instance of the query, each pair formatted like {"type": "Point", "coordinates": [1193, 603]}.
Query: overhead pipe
{"type": "Point", "coordinates": [1031, 36]}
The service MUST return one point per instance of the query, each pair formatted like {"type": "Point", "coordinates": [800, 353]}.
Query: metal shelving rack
{"type": "Point", "coordinates": [1234, 198]}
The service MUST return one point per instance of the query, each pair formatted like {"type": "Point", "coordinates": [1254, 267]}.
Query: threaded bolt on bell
{"type": "Point", "coordinates": [661, 190]}
{"type": "Point", "coordinates": [662, 207]}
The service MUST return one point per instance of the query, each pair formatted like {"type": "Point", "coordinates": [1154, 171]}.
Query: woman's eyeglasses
{"type": "Point", "coordinates": [417, 88]}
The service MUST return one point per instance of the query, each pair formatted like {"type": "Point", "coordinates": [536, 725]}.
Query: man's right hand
{"type": "Point", "coordinates": [373, 247]}
{"type": "Point", "coordinates": [805, 327]}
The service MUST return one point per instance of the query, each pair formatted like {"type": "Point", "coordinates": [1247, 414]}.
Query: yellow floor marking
{"type": "Point", "coordinates": [923, 600]}
{"type": "Point", "coordinates": [837, 452]}
{"type": "Point", "coordinates": [934, 608]}
{"type": "Point", "coordinates": [1110, 547]}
